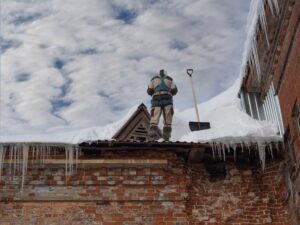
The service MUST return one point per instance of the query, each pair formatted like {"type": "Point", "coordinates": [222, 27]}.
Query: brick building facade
{"type": "Point", "coordinates": [273, 93]}
{"type": "Point", "coordinates": [147, 183]}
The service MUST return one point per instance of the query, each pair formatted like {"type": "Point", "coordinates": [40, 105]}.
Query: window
{"type": "Point", "coordinates": [296, 117]}
{"type": "Point", "coordinates": [252, 105]}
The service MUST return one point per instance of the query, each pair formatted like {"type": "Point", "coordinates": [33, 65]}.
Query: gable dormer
{"type": "Point", "coordinates": [136, 127]}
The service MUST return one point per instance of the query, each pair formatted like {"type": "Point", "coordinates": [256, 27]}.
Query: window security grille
{"type": "Point", "coordinates": [269, 109]}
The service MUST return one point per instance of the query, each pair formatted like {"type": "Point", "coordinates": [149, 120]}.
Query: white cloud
{"type": "Point", "coordinates": [79, 63]}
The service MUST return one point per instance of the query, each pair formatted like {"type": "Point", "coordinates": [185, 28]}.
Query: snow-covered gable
{"type": "Point", "coordinates": [136, 127]}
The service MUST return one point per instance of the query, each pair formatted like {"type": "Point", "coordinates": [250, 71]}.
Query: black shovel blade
{"type": "Point", "coordinates": [194, 126]}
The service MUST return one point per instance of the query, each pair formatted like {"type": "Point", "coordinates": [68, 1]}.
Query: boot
{"type": "Point", "coordinates": [153, 133]}
{"type": "Point", "coordinates": [167, 133]}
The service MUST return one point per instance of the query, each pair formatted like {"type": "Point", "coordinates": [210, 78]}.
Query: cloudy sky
{"type": "Point", "coordinates": [79, 63]}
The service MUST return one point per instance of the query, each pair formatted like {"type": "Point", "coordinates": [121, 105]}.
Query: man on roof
{"type": "Point", "coordinates": [162, 89]}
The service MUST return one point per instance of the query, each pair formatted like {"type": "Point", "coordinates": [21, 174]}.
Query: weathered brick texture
{"type": "Point", "coordinates": [286, 79]}
{"type": "Point", "coordinates": [245, 196]}
{"type": "Point", "coordinates": [280, 65]}
{"type": "Point", "coordinates": [178, 193]}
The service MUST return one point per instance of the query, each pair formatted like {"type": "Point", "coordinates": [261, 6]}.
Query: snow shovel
{"type": "Point", "coordinates": [194, 126]}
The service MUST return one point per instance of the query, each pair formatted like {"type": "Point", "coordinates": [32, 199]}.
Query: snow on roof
{"type": "Point", "coordinates": [228, 124]}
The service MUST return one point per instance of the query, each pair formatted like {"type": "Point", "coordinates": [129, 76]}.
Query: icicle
{"type": "Point", "coordinates": [234, 151]}
{"type": "Point", "coordinates": [276, 6]}
{"type": "Point", "coordinates": [271, 6]}
{"type": "Point", "coordinates": [18, 156]}
{"type": "Point", "coordinates": [228, 147]}
{"type": "Point", "coordinates": [77, 155]}
{"type": "Point", "coordinates": [40, 154]}
{"type": "Point", "coordinates": [263, 21]}
{"type": "Point", "coordinates": [257, 14]}
{"type": "Point", "coordinates": [219, 151]}
{"type": "Point", "coordinates": [47, 152]}
{"type": "Point", "coordinates": [262, 154]}
{"type": "Point", "coordinates": [218, 148]}
{"type": "Point", "coordinates": [18, 160]}
{"type": "Point", "coordinates": [253, 63]}
{"type": "Point", "coordinates": [271, 150]}
{"type": "Point", "coordinates": [15, 160]}
{"type": "Point", "coordinates": [10, 160]}
{"type": "Point", "coordinates": [2, 158]}
{"type": "Point", "coordinates": [43, 154]}
{"type": "Point", "coordinates": [71, 161]}
{"type": "Point", "coordinates": [34, 156]}
{"type": "Point", "coordinates": [66, 164]}
{"type": "Point", "coordinates": [54, 154]}
{"type": "Point", "coordinates": [256, 59]}
{"type": "Point", "coordinates": [33, 152]}
{"type": "Point", "coordinates": [71, 153]}
{"type": "Point", "coordinates": [224, 153]}
{"type": "Point", "coordinates": [212, 149]}
{"type": "Point", "coordinates": [25, 151]}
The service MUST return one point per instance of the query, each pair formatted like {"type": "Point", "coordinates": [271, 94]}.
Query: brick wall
{"type": "Point", "coordinates": [244, 196]}
{"type": "Point", "coordinates": [281, 64]}
{"type": "Point", "coordinates": [177, 193]}
{"type": "Point", "coordinates": [286, 78]}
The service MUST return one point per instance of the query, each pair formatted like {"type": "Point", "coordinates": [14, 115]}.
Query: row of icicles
{"type": "Point", "coordinates": [257, 15]}
{"type": "Point", "coordinates": [219, 149]}
{"type": "Point", "coordinates": [17, 156]}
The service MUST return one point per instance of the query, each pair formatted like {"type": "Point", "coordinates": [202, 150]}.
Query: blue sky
{"type": "Point", "coordinates": [79, 63]}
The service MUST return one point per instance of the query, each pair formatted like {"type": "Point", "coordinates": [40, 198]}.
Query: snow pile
{"type": "Point", "coordinates": [228, 122]}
